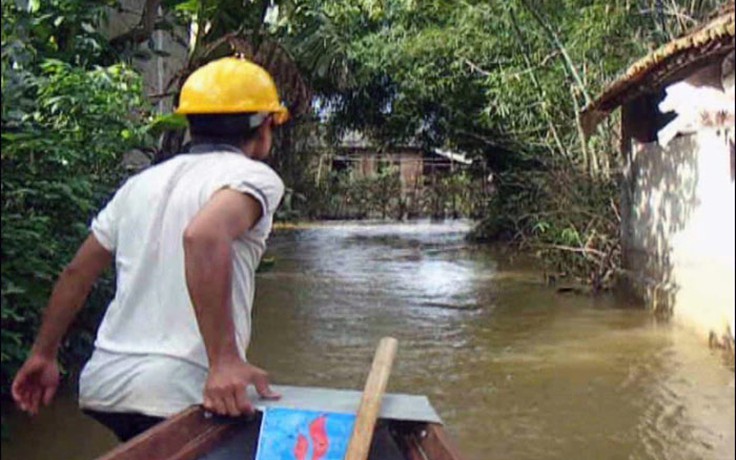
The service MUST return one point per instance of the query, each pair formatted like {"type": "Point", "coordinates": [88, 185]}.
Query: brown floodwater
{"type": "Point", "coordinates": [516, 370]}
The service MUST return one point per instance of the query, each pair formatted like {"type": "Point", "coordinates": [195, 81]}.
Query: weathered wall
{"type": "Point", "coordinates": [411, 171]}
{"type": "Point", "coordinates": [678, 237]}
{"type": "Point", "coordinates": [157, 70]}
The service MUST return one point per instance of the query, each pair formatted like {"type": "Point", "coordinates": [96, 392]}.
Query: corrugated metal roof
{"type": "Point", "coordinates": [454, 156]}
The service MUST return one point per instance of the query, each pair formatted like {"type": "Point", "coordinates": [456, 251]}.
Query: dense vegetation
{"type": "Point", "coordinates": [505, 81]}
{"type": "Point", "coordinates": [502, 81]}
{"type": "Point", "coordinates": [65, 124]}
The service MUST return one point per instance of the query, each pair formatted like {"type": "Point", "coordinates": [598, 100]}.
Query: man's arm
{"type": "Point", "coordinates": [208, 263]}
{"type": "Point", "coordinates": [38, 378]}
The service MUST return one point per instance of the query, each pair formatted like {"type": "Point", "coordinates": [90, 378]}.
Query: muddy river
{"type": "Point", "coordinates": [516, 370]}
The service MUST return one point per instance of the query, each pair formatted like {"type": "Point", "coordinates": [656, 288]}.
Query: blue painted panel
{"type": "Point", "coordinates": [292, 434]}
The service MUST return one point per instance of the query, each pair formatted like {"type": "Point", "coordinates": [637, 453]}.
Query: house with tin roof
{"type": "Point", "coordinates": [677, 193]}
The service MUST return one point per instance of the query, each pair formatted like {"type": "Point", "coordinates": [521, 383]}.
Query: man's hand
{"type": "Point", "coordinates": [38, 379]}
{"type": "Point", "coordinates": [225, 390]}
{"type": "Point", "coordinates": [35, 382]}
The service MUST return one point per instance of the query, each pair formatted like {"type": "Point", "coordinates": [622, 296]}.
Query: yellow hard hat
{"type": "Point", "coordinates": [231, 85]}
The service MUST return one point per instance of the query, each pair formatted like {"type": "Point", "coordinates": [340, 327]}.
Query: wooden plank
{"type": "Point", "coordinates": [184, 436]}
{"type": "Point", "coordinates": [206, 442]}
{"type": "Point", "coordinates": [426, 442]}
{"type": "Point", "coordinates": [437, 445]}
{"type": "Point", "coordinates": [413, 450]}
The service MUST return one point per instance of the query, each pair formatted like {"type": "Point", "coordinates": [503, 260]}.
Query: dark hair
{"type": "Point", "coordinates": [221, 128]}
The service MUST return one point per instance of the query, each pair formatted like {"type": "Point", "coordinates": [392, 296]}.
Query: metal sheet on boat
{"type": "Point", "coordinates": [415, 408]}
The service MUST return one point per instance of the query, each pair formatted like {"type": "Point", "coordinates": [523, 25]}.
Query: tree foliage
{"type": "Point", "coordinates": [505, 82]}
{"type": "Point", "coordinates": [65, 125]}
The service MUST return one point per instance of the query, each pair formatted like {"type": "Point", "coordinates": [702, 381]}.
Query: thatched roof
{"type": "Point", "coordinates": [707, 44]}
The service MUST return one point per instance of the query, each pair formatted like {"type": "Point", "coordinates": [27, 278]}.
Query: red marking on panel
{"type": "Point", "coordinates": [320, 441]}
{"type": "Point", "coordinates": [300, 450]}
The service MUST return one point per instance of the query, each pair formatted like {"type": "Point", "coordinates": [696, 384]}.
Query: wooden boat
{"type": "Point", "coordinates": [194, 435]}
{"type": "Point", "coordinates": [407, 428]}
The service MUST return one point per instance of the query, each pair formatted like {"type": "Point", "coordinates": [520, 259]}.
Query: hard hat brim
{"type": "Point", "coordinates": [280, 115]}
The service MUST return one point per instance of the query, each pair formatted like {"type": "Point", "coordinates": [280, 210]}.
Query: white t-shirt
{"type": "Point", "coordinates": [149, 356]}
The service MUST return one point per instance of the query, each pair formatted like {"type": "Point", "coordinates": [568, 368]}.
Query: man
{"type": "Point", "coordinates": [186, 237]}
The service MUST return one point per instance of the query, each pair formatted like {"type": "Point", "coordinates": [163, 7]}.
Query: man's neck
{"type": "Point", "coordinates": [248, 149]}
{"type": "Point", "coordinates": [204, 144]}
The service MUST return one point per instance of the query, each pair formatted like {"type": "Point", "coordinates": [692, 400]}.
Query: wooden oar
{"type": "Point", "coordinates": [370, 404]}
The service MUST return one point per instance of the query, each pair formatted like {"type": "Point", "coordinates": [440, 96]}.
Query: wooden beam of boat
{"type": "Point", "coordinates": [430, 443]}
{"type": "Point", "coordinates": [185, 436]}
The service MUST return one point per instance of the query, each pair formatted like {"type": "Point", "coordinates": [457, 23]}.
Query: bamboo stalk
{"type": "Point", "coordinates": [555, 39]}
{"type": "Point", "coordinates": [589, 157]}
{"type": "Point", "coordinates": [535, 82]}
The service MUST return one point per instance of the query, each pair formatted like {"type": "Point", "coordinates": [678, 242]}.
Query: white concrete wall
{"type": "Point", "coordinates": [681, 229]}
{"type": "Point", "coordinates": [703, 252]}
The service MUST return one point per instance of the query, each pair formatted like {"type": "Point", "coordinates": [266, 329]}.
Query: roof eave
{"type": "Point", "coordinates": [669, 63]}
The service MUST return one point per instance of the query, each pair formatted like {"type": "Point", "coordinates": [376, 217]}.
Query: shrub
{"type": "Point", "coordinates": [64, 130]}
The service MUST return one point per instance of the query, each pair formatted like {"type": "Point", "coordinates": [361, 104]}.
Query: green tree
{"type": "Point", "coordinates": [65, 126]}
{"type": "Point", "coordinates": [505, 82]}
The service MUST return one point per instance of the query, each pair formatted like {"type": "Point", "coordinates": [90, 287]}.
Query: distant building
{"type": "Point", "coordinates": [414, 165]}
{"type": "Point", "coordinates": [412, 162]}
{"type": "Point", "coordinates": [677, 199]}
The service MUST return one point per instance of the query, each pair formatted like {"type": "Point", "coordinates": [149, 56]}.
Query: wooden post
{"type": "Point", "coordinates": [319, 168]}
{"type": "Point", "coordinates": [370, 404]}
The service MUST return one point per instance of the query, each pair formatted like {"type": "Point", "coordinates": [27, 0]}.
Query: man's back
{"type": "Point", "coordinates": [144, 225]}
{"type": "Point", "coordinates": [186, 251]}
